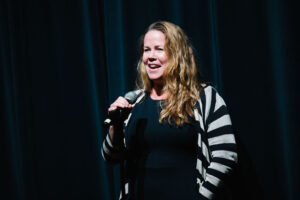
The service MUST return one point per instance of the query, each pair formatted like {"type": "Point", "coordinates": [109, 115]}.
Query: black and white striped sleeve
{"type": "Point", "coordinates": [115, 152]}
{"type": "Point", "coordinates": [221, 142]}
{"type": "Point", "coordinates": [112, 153]}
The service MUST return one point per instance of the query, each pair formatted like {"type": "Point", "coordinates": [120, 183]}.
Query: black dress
{"type": "Point", "coordinates": [164, 155]}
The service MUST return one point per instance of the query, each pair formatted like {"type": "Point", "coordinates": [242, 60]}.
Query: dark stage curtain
{"type": "Point", "coordinates": [63, 62]}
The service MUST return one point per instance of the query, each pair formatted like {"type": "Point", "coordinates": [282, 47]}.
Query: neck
{"type": "Point", "coordinates": [158, 93]}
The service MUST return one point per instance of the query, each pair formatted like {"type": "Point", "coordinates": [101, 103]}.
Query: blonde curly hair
{"type": "Point", "coordinates": [180, 75]}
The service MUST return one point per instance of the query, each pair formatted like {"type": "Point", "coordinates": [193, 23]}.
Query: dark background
{"type": "Point", "coordinates": [63, 62]}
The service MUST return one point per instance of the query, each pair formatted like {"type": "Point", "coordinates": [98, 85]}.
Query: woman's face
{"type": "Point", "coordinates": [155, 58]}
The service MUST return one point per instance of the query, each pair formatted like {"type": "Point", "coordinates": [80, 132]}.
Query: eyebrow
{"type": "Point", "coordinates": [154, 46]}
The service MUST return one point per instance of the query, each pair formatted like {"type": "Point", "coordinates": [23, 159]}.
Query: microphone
{"type": "Point", "coordinates": [116, 115]}
{"type": "Point", "coordinates": [132, 96]}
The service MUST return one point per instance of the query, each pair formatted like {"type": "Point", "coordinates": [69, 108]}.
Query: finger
{"type": "Point", "coordinates": [119, 104]}
{"type": "Point", "coordinates": [112, 108]}
{"type": "Point", "coordinates": [123, 101]}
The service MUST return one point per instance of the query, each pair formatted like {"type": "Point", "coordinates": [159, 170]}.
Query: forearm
{"type": "Point", "coordinates": [221, 165]}
{"type": "Point", "coordinates": [116, 134]}
{"type": "Point", "coordinates": [113, 150]}
{"type": "Point", "coordinates": [221, 151]}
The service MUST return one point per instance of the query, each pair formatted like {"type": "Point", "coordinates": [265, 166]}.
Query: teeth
{"type": "Point", "coordinates": [152, 66]}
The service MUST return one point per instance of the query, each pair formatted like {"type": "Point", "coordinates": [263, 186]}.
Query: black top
{"type": "Point", "coordinates": [164, 155]}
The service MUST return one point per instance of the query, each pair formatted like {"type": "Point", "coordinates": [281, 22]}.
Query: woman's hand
{"type": "Point", "coordinates": [118, 112]}
{"type": "Point", "coordinates": [121, 103]}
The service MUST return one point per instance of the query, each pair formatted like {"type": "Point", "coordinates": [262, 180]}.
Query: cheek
{"type": "Point", "coordinates": [164, 59]}
{"type": "Point", "coordinates": [144, 58]}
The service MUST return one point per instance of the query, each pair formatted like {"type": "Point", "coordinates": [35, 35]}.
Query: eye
{"type": "Point", "coordinates": [146, 50]}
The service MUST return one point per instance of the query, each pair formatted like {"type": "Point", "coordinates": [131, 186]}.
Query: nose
{"type": "Point", "coordinates": [152, 56]}
{"type": "Point", "coordinates": [151, 59]}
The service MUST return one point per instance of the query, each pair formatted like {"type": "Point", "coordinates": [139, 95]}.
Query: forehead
{"type": "Point", "coordinates": [154, 37]}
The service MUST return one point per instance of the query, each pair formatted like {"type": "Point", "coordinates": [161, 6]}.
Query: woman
{"type": "Point", "coordinates": [177, 140]}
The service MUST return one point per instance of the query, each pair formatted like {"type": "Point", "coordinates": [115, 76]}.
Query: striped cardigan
{"type": "Point", "coordinates": [216, 153]}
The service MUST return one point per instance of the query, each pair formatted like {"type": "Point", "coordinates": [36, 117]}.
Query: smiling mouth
{"type": "Point", "coordinates": [154, 66]}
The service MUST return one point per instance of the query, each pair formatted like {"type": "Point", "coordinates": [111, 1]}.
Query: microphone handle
{"type": "Point", "coordinates": [116, 116]}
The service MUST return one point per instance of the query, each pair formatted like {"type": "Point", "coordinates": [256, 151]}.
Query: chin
{"type": "Point", "coordinates": [157, 80]}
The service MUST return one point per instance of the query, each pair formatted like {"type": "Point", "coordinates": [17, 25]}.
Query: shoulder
{"type": "Point", "coordinates": [210, 100]}
{"type": "Point", "coordinates": [207, 92]}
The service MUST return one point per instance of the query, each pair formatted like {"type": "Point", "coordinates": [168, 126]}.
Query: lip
{"type": "Point", "coordinates": [153, 66]}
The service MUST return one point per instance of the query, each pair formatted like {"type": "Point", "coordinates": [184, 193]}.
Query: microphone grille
{"type": "Point", "coordinates": [132, 96]}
